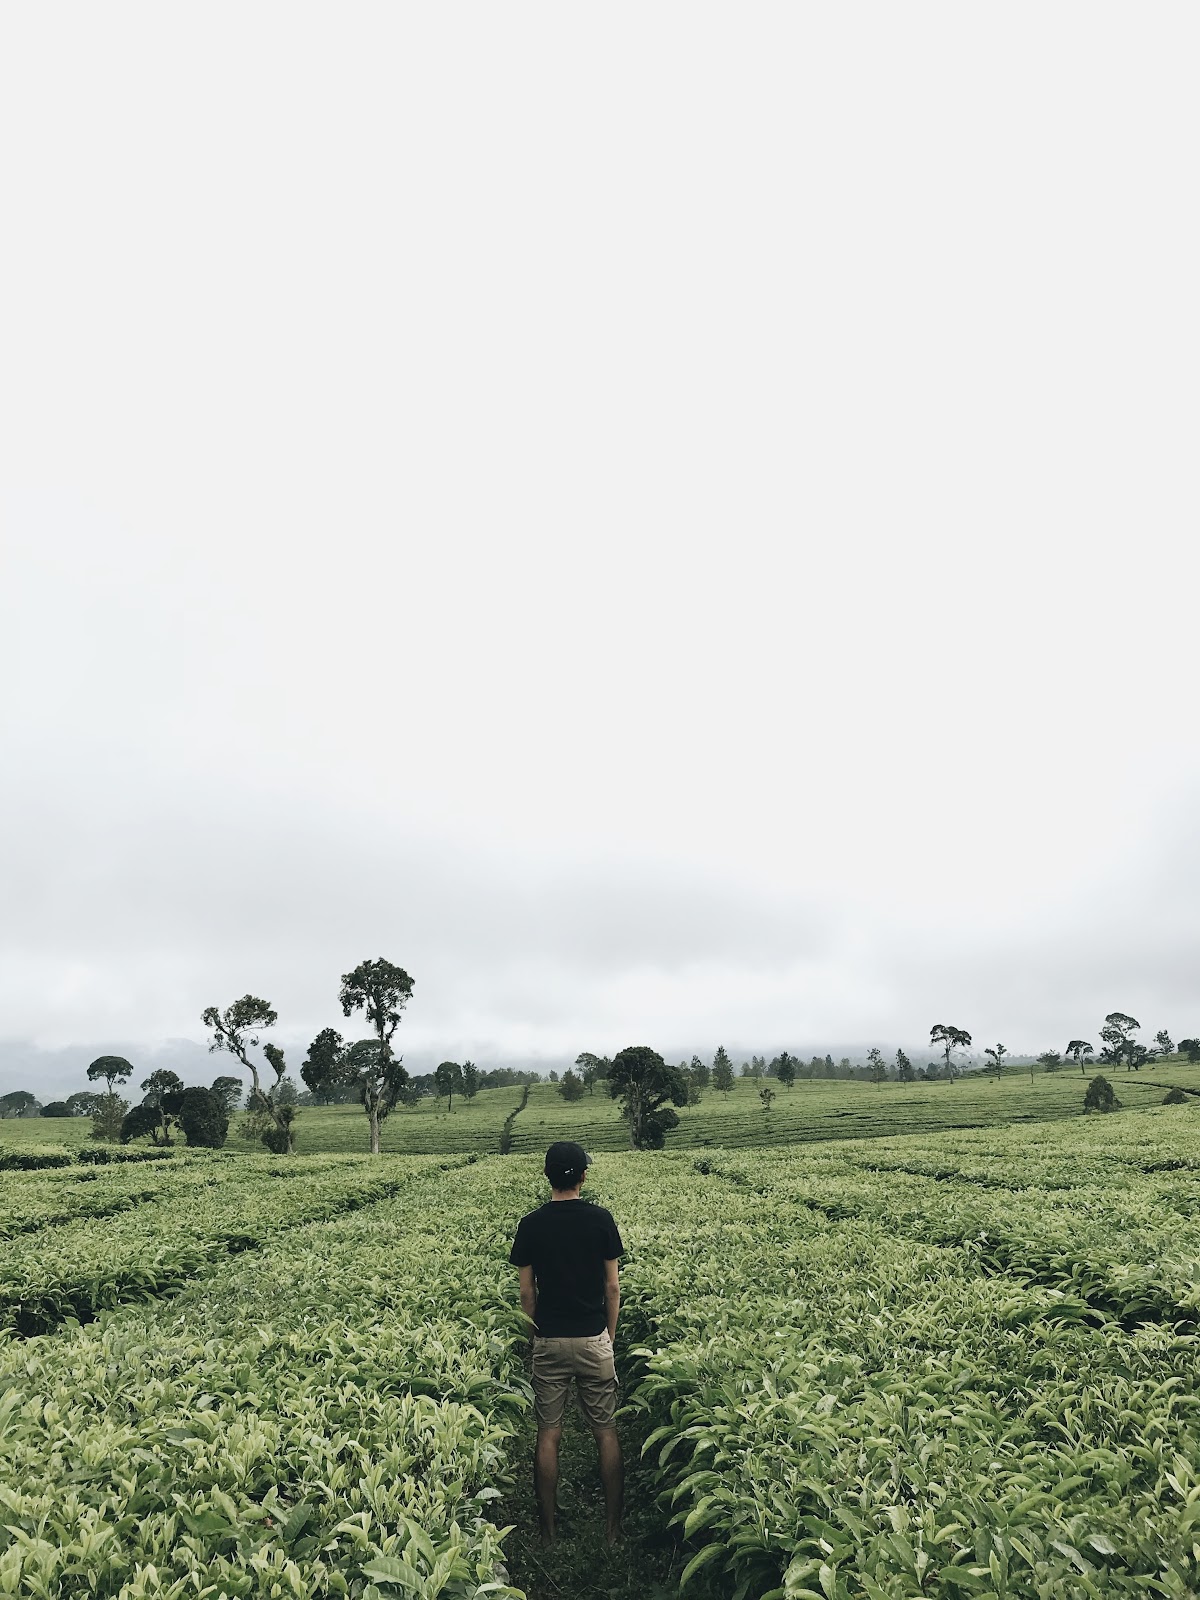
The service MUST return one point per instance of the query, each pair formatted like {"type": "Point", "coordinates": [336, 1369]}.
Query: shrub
{"type": "Point", "coordinates": [56, 1108]}
{"type": "Point", "coordinates": [138, 1122]}
{"type": "Point", "coordinates": [1100, 1095]}
{"type": "Point", "coordinates": [203, 1118]}
{"type": "Point", "coordinates": [1176, 1097]}
{"type": "Point", "coordinates": [108, 1117]}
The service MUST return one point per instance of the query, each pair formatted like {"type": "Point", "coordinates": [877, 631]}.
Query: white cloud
{"type": "Point", "coordinates": [679, 528]}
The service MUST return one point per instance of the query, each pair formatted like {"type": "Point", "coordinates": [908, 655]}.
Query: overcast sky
{"type": "Point", "coordinates": [676, 524]}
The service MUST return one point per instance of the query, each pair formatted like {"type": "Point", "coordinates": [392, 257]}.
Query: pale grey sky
{"type": "Point", "coordinates": [675, 524]}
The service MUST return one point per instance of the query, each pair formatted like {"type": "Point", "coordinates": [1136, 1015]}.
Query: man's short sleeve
{"type": "Point", "coordinates": [519, 1255]}
{"type": "Point", "coordinates": [612, 1242]}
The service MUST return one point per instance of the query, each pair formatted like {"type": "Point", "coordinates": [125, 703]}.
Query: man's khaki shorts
{"type": "Point", "coordinates": [590, 1362]}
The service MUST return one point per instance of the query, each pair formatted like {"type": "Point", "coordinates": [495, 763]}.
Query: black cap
{"type": "Point", "coordinates": [566, 1164]}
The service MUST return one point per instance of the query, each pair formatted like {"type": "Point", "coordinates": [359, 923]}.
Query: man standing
{"type": "Point", "coordinates": [567, 1252]}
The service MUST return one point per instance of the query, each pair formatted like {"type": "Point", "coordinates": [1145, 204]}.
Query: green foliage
{"type": "Point", "coordinates": [785, 1068]}
{"type": "Point", "coordinates": [904, 1068]}
{"type": "Point", "coordinates": [1163, 1040]}
{"type": "Point", "coordinates": [572, 1087]}
{"type": "Point", "coordinates": [767, 1095]}
{"type": "Point", "coordinates": [108, 1118]}
{"type": "Point", "coordinates": [203, 1118]}
{"type": "Point", "coordinates": [84, 1103]}
{"type": "Point", "coordinates": [593, 1069]}
{"type": "Point", "coordinates": [238, 1029]}
{"type": "Point", "coordinates": [56, 1108]}
{"type": "Point", "coordinates": [1117, 1033]}
{"type": "Point", "coordinates": [324, 1070]}
{"type": "Point", "coordinates": [470, 1080]}
{"type": "Point", "coordinates": [1100, 1096]}
{"type": "Point", "coordinates": [228, 1091]}
{"type": "Point", "coordinates": [876, 1069]}
{"type": "Point", "coordinates": [996, 1054]}
{"type": "Point", "coordinates": [381, 991]}
{"type": "Point", "coordinates": [160, 1096]}
{"type": "Point", "coordinates": [1049, 1061]}
{"type": "Point", "coordinates": [722, 1071]}
{"type": "Point", "coordinates": [18, 1103]}
{"type": "Point", "coordinates": [448, 1077]}
{"type": "Point", "coordinates": [1175, 1097]}
{"type": "Point", "coordinates": [293, 1422]}
{"type": "Point", "coordinates": [951, 1039]}
{"type": "Point", "coordinates": [139, 1122]}
{"type": "Point", "coordinates": [647, 1088]}
{"type": "Point", "coordinates": [112, 1069]}
{"type": "Point", "coordinates": [1191, 1049]}
{"type": "Point", "coordinates": [1079, 1050]}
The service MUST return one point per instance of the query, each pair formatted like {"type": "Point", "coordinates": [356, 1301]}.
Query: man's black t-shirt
{"type": "Point", "coordinates": [567, 1242]}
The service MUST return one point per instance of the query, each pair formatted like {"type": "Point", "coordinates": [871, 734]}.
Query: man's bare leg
{"type": "Point", "coordinates": [545, 1479]}
{"type": "Point", "coordinates": [612, 1476]}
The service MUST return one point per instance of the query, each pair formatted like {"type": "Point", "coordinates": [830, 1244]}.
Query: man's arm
{"type": "Point", "coordinates": [612, 1295]}
{"type": "Point", "coordinates": [528, 1295]}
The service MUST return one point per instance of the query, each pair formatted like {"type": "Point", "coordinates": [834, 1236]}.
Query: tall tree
{"type": "Point", "coordinates": [997, 1053]}
{"type": "Point", "coordinates": [382, 991]}
{"type": "Point", "coordinates": [647, 1088]}
{"type": "Point", "coordinates": [1117, 1033]}
{"type": "Point", "coordinates": [785, 1069]}
{"type": "Point", "coordinates": [237, 1030]}
{"type": "Point", "coordinates": [571, 1088]}
{"type": "Point", "coordinates": [324, 1069]}
{"type": "Point", "coordinates": [722, 1071]}
{"type": "Point", "coordinates": [18, 1103]}
{"type": "Point", "coordinates": [1191, 1049]}
{"type": "Point", "coordinates": [951, 1039]}
{"type": "Point", "coordinates": [228, 1091]}
{"type": "Point", "coordinates": [876, 1070]}
{"type": "Point", "coordinates": [592, 1069]}
{"type": "Point", "coordinates": [1078, 1050]}
{"type": "Point", "coordinates": [470, 1081]}
{"type": "Point", "coordinates": [1163, 1040]}
{"type": "Point", "coordinates": [700, 1073]}
{"type": "Point", "coordinates": [448, 1076]}
{"type": "Point", "coordinates": [113, 1070]}
{"type": "Point", "coordinates": [83, 1103]}
{"type": "Point", "coordinates": [904, 1068]}
{"type": "Point", "coordinates": [158, 1092]}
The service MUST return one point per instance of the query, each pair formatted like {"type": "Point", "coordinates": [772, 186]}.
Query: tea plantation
{"type": "Point", "coordinates": [942, 1363]}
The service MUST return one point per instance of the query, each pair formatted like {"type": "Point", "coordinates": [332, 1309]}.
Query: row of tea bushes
{"type": "Point", "coordinates": [330, 1415]}
{"type": "Point", "coordinates": [200, 1211]}
{"type": "Point", "coordinates": [841, 1410]}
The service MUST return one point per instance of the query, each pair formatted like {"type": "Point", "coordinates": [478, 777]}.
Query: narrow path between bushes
{"type": "Point", "coordinates": [506, 1130]}
{"type": "Point", "coordinates": [580, 1565]}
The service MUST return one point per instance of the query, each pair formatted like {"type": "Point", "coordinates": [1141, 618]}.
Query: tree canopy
{"type": "Point", "coordinates": [113, 1069]}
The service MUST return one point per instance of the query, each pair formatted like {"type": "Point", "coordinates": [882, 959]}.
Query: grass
{"type": "Point", "coordinates": [834, 1109]}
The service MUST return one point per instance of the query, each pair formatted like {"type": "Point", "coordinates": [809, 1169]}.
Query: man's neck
{"type": "Point", "coordinates": [565, 1194]}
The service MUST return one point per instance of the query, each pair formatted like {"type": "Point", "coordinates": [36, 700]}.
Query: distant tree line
{"type": "Point", "coordinates": [367, 1071]}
